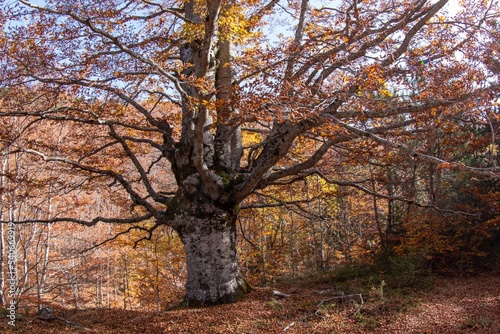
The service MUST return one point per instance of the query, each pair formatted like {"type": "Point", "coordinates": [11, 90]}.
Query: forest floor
{"type": "Point", "coordinates": [452, 305]}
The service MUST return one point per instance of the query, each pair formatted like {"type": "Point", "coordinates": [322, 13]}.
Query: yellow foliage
{"type": "Point", "coordinates": [192, 31]}
{"type": "Point", "coordinates": [250, 138]}
{"type": "Point", "coordinates": [233, 24]}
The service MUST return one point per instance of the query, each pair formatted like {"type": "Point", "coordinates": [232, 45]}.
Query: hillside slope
{"type": "Point", "coordinates": [455, 305]}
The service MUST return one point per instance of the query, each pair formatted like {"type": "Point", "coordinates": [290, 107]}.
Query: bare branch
{"type": "Point", "coordinates": [357, 185]}
{"type": "Point", "coordinates": [149, 232]}
{"type": "Point", "coordinates": [130, 220]}
{"type": "Point", "coordinates": [126, 185]}
{"type": "Point", "coordinates": [491, 172]}
{"type": "Point", "coordinates": [414, 30]}
{"type": "Point", "coordinates": [144, 178]}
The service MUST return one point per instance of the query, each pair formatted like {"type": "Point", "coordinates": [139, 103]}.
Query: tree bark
{"type": "Point", "coordinates": [212, 265]}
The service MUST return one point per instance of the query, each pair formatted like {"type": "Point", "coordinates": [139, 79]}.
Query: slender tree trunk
{"type": "Point", "coordinates": [2, 275]}
{"type": "Point", "coordinates": [263, 251]}
{"type": "Point", "coordinates": [157, 277]}
{"type": "Point", "coordinates": [42, 265]}
{"type": "Point", "coordinates": [76, 295]}
{"type": "Point", "coordinates": [126, 284]}
{"type": "Point", "coordinates": [292, 246]}
{"type": "Point", "coordinates": [3, 207]}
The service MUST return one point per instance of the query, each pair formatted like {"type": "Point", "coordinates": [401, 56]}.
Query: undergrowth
{"type": "Point", "coordinates": [389, 284]}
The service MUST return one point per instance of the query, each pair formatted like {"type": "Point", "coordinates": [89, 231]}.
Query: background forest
{"type": "Point", "coordinates": [302, 229]}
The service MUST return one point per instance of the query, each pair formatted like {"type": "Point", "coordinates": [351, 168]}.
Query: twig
{"type": "Point", "coordinates": [47, 314]}
{"type": "Point", "coordinates": [341, 297]}
{"type": "Point", "coordinates": [280, 294]}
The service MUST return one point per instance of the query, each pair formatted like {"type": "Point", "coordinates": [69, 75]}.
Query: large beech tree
{"type": "Point", "coordinates": [139, 88]}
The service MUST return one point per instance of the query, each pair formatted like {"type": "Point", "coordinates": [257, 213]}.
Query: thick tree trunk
{"type": "Point", "coordinates": [212, 263]}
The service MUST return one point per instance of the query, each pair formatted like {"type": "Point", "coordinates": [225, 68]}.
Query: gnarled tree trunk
{"type": "Point", "coordinates": [209, 238]}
